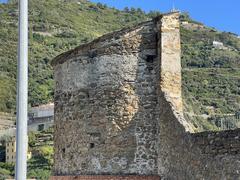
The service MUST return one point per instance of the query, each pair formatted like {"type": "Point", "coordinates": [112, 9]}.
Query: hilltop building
{"type": "Point", "coordinates": [41, 117]}
{"type": "Point", "coordinates": [119, 111]}
{"type": "Point", "coordinates": [218, 44]}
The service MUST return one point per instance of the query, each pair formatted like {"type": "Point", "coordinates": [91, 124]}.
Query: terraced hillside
{"type": "Point", "coordinates": [211, 78]}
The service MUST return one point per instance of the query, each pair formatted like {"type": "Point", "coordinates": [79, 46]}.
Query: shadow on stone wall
{"type": "Point", "coordinates": [118, 110]}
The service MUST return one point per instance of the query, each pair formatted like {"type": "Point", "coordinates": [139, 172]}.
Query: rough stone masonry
{"type": "Point", "coordinates": [118, 110]}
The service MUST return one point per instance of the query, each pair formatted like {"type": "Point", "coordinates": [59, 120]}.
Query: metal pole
{"type": "Point", "coordinates": [22, 92]}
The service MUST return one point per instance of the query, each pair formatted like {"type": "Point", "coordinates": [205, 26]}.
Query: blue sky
{"type": "Point", "coordinates": [221, 14]}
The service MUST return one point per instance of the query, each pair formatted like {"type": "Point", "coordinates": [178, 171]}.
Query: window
{"type": "Point", "coordinates": [150, 58]}
{"type": "Point", "coordinates": [40, 127]}
{"type": "Point", "coordinates": [92, 145]}
{"type": "Point", "coordinates": [7, 157]}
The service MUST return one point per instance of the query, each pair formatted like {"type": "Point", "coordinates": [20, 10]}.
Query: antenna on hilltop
{"type": "Point", "coordinates": [173, 8]}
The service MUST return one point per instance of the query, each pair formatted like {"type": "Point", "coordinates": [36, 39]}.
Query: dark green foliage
{"type": "Point", "coordinates": [153, 14]}
{"type": "Point", "coordinates": [6, 170]}
{"type": "Point", "coordinates": [40, 165]}
{"type": "Point", "coordinates": [218, 88]}
{"type": "Point", "coordinates": [40, 144]}
{"type": "Point", "coordinates": [55, 27]}
{"type": "Point", "coordinates": [39, 173]}
{"type": "Point", "coordinates": [210, 77]}
{"type": "Point", "coordinates": [198, 51]}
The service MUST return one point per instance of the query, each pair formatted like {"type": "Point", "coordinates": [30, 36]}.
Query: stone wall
{"type": "Point", "coordinates": [118, 110]}
{"type": "Point", "coordinates": [181, 153]}
{"type": "Point", "coordinates": [213, 143]}
{"type": "Point", "coordinates": [206, 155]}
{"type": "Point", "coordinates": [100, 177]}
{"type": "Point", "coordinates": [105, 106]}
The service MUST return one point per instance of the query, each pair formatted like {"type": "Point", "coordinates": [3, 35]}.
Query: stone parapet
{"type": "Point", "coordinates": [218, 143]}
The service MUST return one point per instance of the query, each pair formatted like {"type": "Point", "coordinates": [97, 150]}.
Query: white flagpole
{"type": "Point", "coordinates": [22, 92]}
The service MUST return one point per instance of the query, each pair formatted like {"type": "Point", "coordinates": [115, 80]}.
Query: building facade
{"type": "Point", "coordinates": [41, 117]}
{"type": "Point", "coordinates": [11, 151]}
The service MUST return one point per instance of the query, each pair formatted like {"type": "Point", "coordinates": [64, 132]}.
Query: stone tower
{"type": "Point", "coordinates": [118, 106]}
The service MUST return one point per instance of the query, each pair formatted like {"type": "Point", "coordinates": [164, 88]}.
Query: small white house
{"type": "Point", "coordinates": [184, 22]}
{"type": "Point", "coordinates": [218, 44]}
